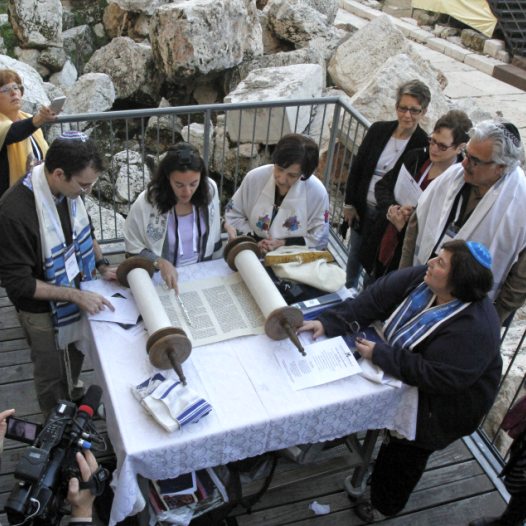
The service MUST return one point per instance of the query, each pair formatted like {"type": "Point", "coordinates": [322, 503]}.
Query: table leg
{"type": "Point", "coordinates": [355, 484]}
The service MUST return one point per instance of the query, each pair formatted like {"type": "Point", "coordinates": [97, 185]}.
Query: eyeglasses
{"type": "Point", "coordinates": [14, 87]}
{"type": "Point", "coordinates": [88, 186]}
{"type": "Point", "coordinates": [441, 147]}
{"type": "Point", "coordinates": [412, 111]}
{"type": "Point", "coordinates": [473, 161]}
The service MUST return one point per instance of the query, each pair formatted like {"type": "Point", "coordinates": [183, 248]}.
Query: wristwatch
{"type": "Point", "coordinates": [101, 262]}
{"type": "Point", "coordinates": [156, 264]}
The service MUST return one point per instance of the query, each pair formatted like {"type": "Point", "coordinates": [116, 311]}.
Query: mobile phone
{"type": "Point", "coordinates": [57, 104]}
{"type": "Point", "coordinates": [22, 430]}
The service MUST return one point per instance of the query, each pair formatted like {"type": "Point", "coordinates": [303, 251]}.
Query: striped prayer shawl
{"type": "Point", "coordinates": [415, 319]}
{"type": "Point", "coordinates": [66, 316]}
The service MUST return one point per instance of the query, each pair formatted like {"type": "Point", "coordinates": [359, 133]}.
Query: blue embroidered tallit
{"type": "Point", "coordinates": [66, 316]}
{"type": "Point", "coordinates": [415, 319]}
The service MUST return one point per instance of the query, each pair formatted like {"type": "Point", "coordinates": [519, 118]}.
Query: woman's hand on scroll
{"type": "Point", "coordinates": [365, 348]}
{"type": "Point", "coordinates": [270, 244]}
{"type": "Point", "coordinates": [314, 325]}
{"type": "Point", "coordinates": [169, 274]}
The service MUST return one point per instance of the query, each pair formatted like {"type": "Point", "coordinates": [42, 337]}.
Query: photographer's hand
{"type": "Point", "coordinates": [3, 426]}
{"type": "Point", "coordinates": [82, 501]}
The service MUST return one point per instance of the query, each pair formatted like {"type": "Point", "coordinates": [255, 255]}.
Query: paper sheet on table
{"type": "Point", "coordinates": [133, 333]}
{"type": "Point", "coordinates": [326, 361]}
{"type": "Point", "coordinates": [126, 311]}
{"type": "Point", "coordinates": [220, 308]}
{"type": "Point", "coordinates": [106, 288]}
{"type": "Point", "coordinates": [407, 191]}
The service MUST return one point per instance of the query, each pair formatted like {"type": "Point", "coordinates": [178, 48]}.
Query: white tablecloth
{"type": "Point", "coordinates": [254, 409]}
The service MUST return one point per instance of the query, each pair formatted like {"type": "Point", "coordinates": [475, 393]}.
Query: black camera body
{"type": "Point", "coordinates": [45, 468]}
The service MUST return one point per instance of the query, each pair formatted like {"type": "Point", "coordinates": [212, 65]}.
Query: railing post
{"type": "Point", "coordinates": [332, 142]}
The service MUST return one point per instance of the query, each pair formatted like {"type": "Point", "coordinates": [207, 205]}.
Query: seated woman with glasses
{"type": "Point", "coordinates": [381, 251]}
{"type": "Point", "coordinates": [176, 220]}
{"type": "Point", "coordinates": [21, 141]}
{"type": "Point", "coordinates": [442, 336]}
{"type": "Point", "coordinates": [283, 203]}
{"type": "Point", "coordinates": [383, 148]}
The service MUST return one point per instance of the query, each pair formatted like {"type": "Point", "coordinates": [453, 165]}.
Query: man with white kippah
{"type": "Point", "coordinates": [47, 248]}
{"type": "Point", "coordinates": [482, 199]}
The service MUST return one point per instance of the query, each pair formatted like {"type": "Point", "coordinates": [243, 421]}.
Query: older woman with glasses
{"type": "Point", "coordinates": [442, 336]}
{"type": "Point", "coordinates": [382, 149]}
{"type": "Point", "coordinates": [381, 252]}
{"type": "Point", "coordinates": [21, 141]}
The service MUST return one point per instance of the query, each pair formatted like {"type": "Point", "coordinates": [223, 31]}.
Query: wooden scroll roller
{"type": "Point", "coordinates": [167, 346]}
{"type": "Point", "coordinates": [242, 254]}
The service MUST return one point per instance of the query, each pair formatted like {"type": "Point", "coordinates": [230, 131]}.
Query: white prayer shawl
{"type": "Point", "coordinates": [66, 315]}
{"type": "Point", "coordinates": [146, 227]}
{"type": "Point", "coordinates": [498, 221]}
{"type": "Point", "coordinates": [304, 211]}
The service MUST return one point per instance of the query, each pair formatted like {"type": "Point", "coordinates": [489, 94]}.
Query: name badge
{"type": "Point", "coordinates": [450, 233]}
{"type": "Point", "coordinates": [70, 263]}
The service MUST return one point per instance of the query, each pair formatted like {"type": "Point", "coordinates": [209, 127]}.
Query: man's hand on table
{"type": "Point", "coordinates": [82, 500]}
{"type": "Point", "coordinates": [314, 325]}
{"type": "Point", "coordinates": [108, 273]}
{"type": "Point", "coordinates": [365, 348]}
{"type": "Point", "coordinates": [91, 302]}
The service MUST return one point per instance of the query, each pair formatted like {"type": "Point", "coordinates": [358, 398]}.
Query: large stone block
{"type": "Point", "coordinates": [139, 6]}
{"type": "Point", "coordinates": [302, 81]}
{"type": "Point", "coordinates": [235, 162]}
{"type": "Point", "coordinates": [376, 100]}
{"type": "Point", "coordinates": [78, 43]}
{"type": "Point", "coordinates": [329, 8]}
{"type": "Point", "coordinates": [473, 40]}
{"type": "Point", "coordinates": [357, 59]}
{"type": "Point", "coordinates": [34, 91]}
{"type": "Point", "coordinates": [131, 68]}
{"type": "Point", "coordinates": [198, 37]}
{"type": "Point", "coordinates": [92, 93]}
{"type": "Point", "coordinates": [299, 56]}
{"type": "Point", "coordinates": [37, 23]}
{"type": "Point", "coordinates": [53, 58]}
{"type": "Point", "coordinates": [66, 77]}
{"type": "Point", "coordinates": [125, 180]}
{"type": "Point", "coordinates": [302, 25]}
{"type": "Point", "coordinates": [163, 131]}
{"type": "Point", "coordinates": [30, 57]}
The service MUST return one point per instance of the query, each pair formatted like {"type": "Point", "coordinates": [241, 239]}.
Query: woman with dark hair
{"type": "Point", "coordinates": [176, 221]}
{"type": "Point", "coordinates": [21, 140]}
{"type": "Point", "coordinates": [381, 252]}
{"type": "Point", "coordinates": [281, 204]}
{"type": "Point", "coordinates": [442, 336]}
{"type": "Point", "coordinates": [383, 148]}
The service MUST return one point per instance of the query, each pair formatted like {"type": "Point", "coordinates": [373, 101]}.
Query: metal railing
{"type": "Point", "coordinates": [233, 139]}
{"type": "Point", "coordinates": [511, 16]}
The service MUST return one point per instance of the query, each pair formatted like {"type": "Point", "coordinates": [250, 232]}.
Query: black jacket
{"type": "Point", "coordinates": [364, 164]}
{"type": "Point", "coordinates": [457, 368]}
{"type": "Point", "coordinates": [384, 193]}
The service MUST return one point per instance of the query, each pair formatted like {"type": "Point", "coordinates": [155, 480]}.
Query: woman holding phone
{"type": "Point", "coordinates": [21, 140]}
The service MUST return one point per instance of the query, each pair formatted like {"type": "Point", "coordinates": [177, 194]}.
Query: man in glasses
{"type": "Point", "coordinates": [46, 249]}
{"type": "Point", "coordinates": [482, 200]}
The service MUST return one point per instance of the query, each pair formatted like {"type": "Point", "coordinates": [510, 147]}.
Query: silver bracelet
{"type": "Point", "coordinates": [348, 207]}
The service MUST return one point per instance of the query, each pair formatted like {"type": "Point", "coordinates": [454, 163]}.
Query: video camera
{"type": "Point", "coordinates": [45, 468]}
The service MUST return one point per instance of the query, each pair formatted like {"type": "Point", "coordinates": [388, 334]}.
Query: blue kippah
{"type": "Point", "coordinates": [480, 253]}
{"type": "Point", "coordinates": [73, 135]}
